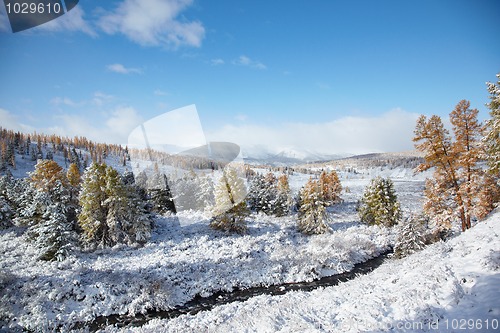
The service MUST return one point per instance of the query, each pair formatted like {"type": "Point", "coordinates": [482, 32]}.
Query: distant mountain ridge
{"type": "Point", "coordinates": [289, 156]}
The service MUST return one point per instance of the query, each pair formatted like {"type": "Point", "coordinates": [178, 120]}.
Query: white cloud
{"type": "Point", "coordinates": [11, 122]}
{"type": "Point", "coordinates": [57, 101]}
{"type": "Point", "coordinates": [216, 62]}
{"type": "Point", "coordinates": [246, 61]}
{"type": "Point", "coordinates": [71, 21]}
{"type": "Point", "coordinates": [114, 129]}
{"type": "Point", "coordinates": [153, 23]}
{"type": "Point", "coordinates": [100, 98]}
{"type": "Point", "coordinates": [119, 68]}
{"type": "Point", "coordinates": [391, 131]}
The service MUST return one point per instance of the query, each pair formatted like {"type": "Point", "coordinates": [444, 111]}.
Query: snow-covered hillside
{"type": "Point", "coordinates": [448, 287]}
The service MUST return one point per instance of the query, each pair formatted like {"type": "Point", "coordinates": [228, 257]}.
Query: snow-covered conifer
{"type": "Point", "coordinates": [283, 201]}
{"type": "Point", "coordinates": [54, 233]}
{"type": "Point", "coordinates": [270, 193]}
{"type": "Point", "coordinates": [492, 136]}
{"type": "Point", "coordinates": [6, 213]}
{"type": "Point", "coordinates": [379, 204]}
{"type": "Point", "coordinates": [312, 213]}
{"type": "Point", "coordinates": [410, 237]}
{"type": "Point", "coordinates": [158, 190]}
{"type": "Point", "coordinates": [110, 212]}
{"type": "Point", "coordinates": [256, 193]}
{"type": "Point", "coordinates": [206, 197]}
{"type": "Point", "coordinates": [230, 207]}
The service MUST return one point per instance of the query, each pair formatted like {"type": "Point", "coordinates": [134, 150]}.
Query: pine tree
{"type": "Point", "coordinates": [6, 209]}
{"type": "Point", "coordinates": [312, 217]}
{"type": "Point", "coordinates": [230, 207]}
{"type": "Point", "coordinates": [54, 234]}
{"type": "Point", "coordinates": [16, 194]}
{"type": "Point", "coordinates": [206, 197]}
{"type": "Point", "coordinates": [379, 204]}
{"type": "Point", "coordinates": [6, 213]}
{"type": "Point", "coordinates": [256, 193]}
{"type": "Point", "coordinates": [410, 238]}
{"type": "Point", "coordinates": [108, 213]}
{"type": "Point", "coordinates": [283, 202]}
{"type": "Point", "coordinates": [492, 136]}
{"type": "Point", "coordinates": [74, 179]}
{"type": "Point", "coordinates": [159, 191]}
{"type": "Point", "coordinates": [32, 205]}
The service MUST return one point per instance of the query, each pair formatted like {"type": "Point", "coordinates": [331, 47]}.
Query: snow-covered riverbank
{"type": "Point", "coordinates": [448, 287]}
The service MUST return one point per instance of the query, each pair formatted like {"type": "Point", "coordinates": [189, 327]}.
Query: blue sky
{"type": "Point", "coordinates": [325, 76]}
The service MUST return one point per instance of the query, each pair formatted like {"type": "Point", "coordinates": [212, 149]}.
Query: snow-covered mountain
{"type": "Point", "coordinates": [286, 156]}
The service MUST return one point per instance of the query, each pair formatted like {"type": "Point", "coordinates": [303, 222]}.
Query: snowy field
{"type": "Point", "coordinates": [447, 287]}
{"type": "Point", "coordinates": [182, 261]}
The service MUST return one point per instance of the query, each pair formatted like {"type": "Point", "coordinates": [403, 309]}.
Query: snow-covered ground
{"type": "Point", "coordinates": [452, 280]}
{"type": "Point", "coordinates": [180, 261]}
{"type": "Point", "coordinates": [450, 286]}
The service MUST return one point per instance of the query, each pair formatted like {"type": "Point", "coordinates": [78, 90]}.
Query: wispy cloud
{"type": "Point", "coordinates": [113, 128]}
{"type": "Point", "coordinates": [11, 122]}
{"type": "Point", "coordinates": [391, 131]}
{"type": "Point", "coordinates": [58, 101]}
{"type": "Point", "coordinates": [100, 98]}
{"type": "Point", "coordinates": [159, 92]}
{"type": "Point", "coordinates": [153, 23]}
{"type": "Point", "coordinates": [71, 21]}
{"type": "Point", "coordinates": [119, 68]}
{"type": "Point", "coordinates": [246, 61]}
{"type": "Point", "coordinates": [217, 61]}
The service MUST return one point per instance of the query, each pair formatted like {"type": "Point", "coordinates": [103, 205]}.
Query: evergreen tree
{"type": "Point", "coordinates": [6, 213]}
{"type": "Point", "coordinates": [16, 194]}
{"type": "Point", "coordinates": [159, 191]}
{"type": "Point", "coordinates": [256, 193]}
{"type": "Point", "coordinates": [32, 205]}
{"type": "Point", "coordinates": [283, 202]}
{"type": "Point", "coordinates": [379, 204]}
{"type": "Point", "coordinates": [206, 197]}
{"type": "Point", "coordinates": [410, 238]}
{"type": "Point", "coordinates": [54, 234]}
{"type": "Point", "coordinates": [230, 207]}
{"type": "Point", "coordinates": [492, 136]}
{"type": "Point", "coordinates": [312, 217]}
{"type": "Point", "coordinates": [110, 211]}
{"type": "Point", "coordinates": [270, 193]}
